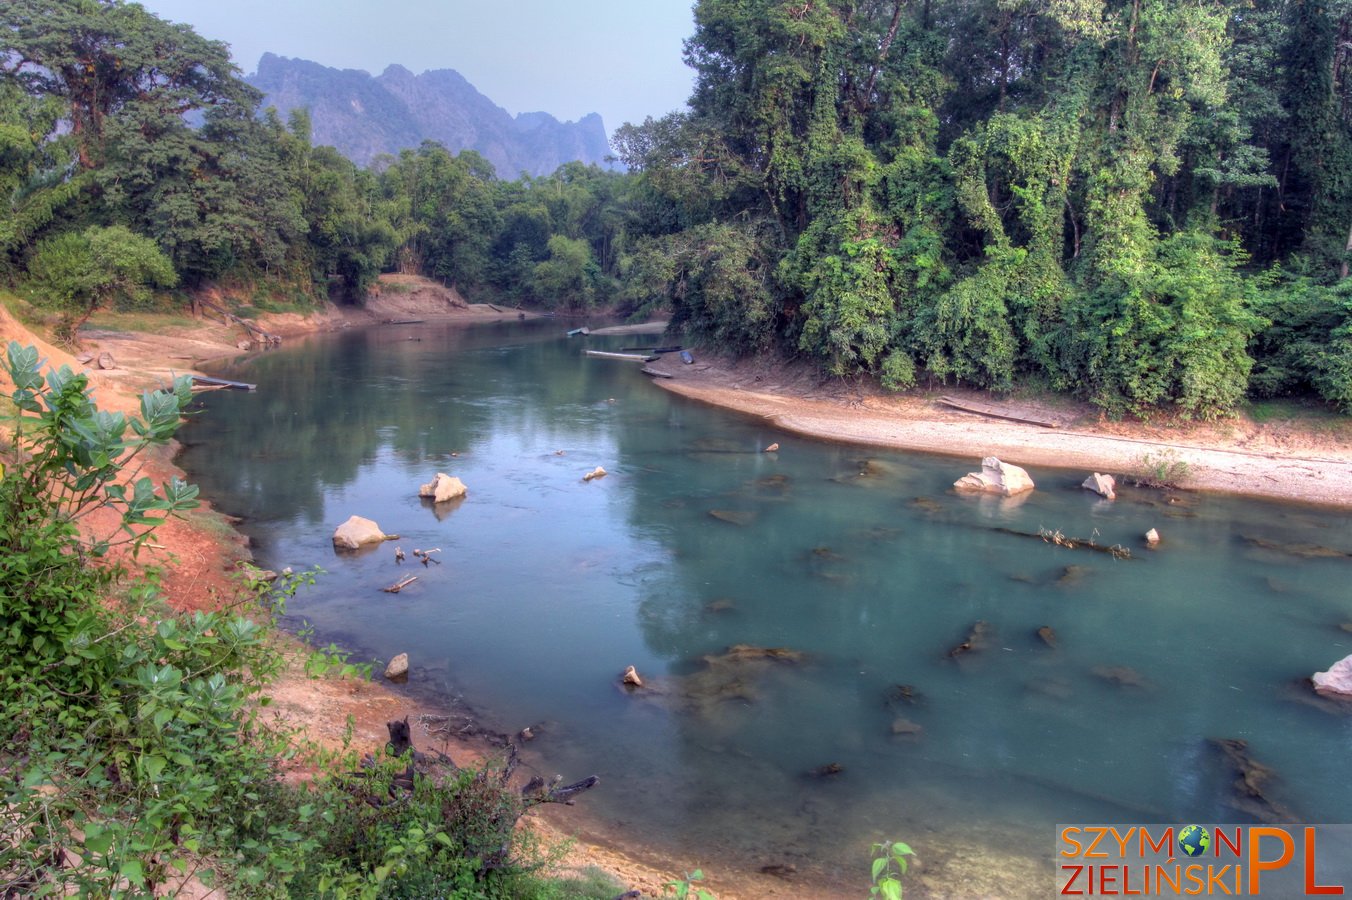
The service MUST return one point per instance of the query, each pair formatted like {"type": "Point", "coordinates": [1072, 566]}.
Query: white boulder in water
{"type": "Point", "coordinates": [995, 477]}
{"type": "Point", "coordinates": [1337, 681]}
{"type": "Point", "coordinates": [357, 532]}
{"type": "Point", "coordinates": [1103, 485]}
{"type": "Point", "coordinates": [397, 669]}
{"type": "Point", "coordinates": [442, 488]}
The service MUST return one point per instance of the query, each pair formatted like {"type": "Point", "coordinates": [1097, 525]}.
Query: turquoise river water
{"type": "Point", "coordinates": [863, 561]}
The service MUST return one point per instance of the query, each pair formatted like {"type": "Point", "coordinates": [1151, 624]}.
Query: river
{"type": "Point", "coordinates": [865, 566]}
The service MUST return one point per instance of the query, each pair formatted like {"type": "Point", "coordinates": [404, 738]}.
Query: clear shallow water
{"type": "Point", "coordinates": [865, 561]}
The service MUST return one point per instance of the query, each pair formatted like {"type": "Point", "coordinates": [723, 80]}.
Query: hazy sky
{"type": "Point", "coordinates": [619, 58]}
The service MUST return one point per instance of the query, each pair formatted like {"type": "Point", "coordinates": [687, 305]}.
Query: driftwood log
{"type": "Point", "coordinates": [535, 792]}
{"type": "Point", "coordinates": [1249, 790]}
{"type": "Point", "coordinates": [256, 334]}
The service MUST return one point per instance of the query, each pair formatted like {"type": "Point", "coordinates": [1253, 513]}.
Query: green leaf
{"type": "Point", "coordinates": [132, 871]}
{"type": "Point", "coordinates": [97, 839]}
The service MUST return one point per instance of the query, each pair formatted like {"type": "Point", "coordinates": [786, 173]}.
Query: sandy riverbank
{"type": "Point", "coordinates": [1305, 461]}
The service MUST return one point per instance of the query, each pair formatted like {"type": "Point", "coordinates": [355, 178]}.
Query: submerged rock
{"type": "Point", "coordinates": [1122, 676]}
{"type": "Point", "coordinates": [902, 727]}
{"type": "Point", "coordinates": [739, 653]}
{"type": "Point", "coordinates": [1047, 636]}
{"type": "Point", "coordinates": [976, 639]}
{"type": "Point", "coordinates": [904, 693]}
{"type": "Point", "coordinates": [630, 677]}
{"type": "Point", "coordinates": [734, 516]}
{"type": "Point", "coordinates": [1298, 549]}
{"type": "Point", "coordinates": [927, 504]}
{"type": "Point", "coordinates": [1071, 574]}
{"type": "Point", "coordinates": [732, 676]}
{"type": "Point", "coordinates": [1250, 787]}
{"type": "Point", "coordinates": [595, 473]}
{"type": "Point", "coordinates": [995, 477]}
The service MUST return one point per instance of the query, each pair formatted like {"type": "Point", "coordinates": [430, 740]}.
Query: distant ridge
{"type": "Point", "coordinates": [364, 116]}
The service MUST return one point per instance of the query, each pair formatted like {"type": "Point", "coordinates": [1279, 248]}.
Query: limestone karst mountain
{"type": "Point", "coordinates": [364, 116]}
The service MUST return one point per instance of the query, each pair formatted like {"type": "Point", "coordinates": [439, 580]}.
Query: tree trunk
{"type": "Point", "coordinates": [1342, 272]}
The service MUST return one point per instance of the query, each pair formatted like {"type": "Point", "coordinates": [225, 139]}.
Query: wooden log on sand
{"type": "Point", "coordinates": [255, 333]}
{"type": "Point", "coordinates": [998, 412]}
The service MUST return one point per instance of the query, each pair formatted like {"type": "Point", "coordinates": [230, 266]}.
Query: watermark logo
{"type": "Point", "coordinates": [1194, 840]}
{"type": "Point", "coordinates": [1215, 860]}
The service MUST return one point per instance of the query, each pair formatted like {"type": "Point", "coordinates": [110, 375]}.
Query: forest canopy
{"type": "Point", "coordinates": [1146, 203]}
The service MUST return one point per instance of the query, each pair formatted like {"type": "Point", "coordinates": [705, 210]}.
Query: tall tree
{"type": "Point", "coordinates": [100, 55]}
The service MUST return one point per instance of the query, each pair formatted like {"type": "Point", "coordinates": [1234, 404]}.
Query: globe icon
{"type": "Point", "coordinates": [1194, 839]}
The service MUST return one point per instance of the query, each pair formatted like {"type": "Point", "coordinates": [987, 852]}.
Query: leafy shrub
{"type": "Point", "coordinates": [1161, 469]}
{"type": "Point", "coordinates": [890, 862]}
{"type": "Point", "coordinates": [898, 372]}
{"type": "Point", "coordinates": [77, 272]}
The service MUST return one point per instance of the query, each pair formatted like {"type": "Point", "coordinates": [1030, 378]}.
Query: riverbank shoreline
{"type": "Point", "coordinates": [1278, 460]}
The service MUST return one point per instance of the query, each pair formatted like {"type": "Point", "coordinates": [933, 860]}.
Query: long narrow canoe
{"type": "Point", "coordinates": [632, 357]}
{"type": "Point", "coordinates": [221, 382]}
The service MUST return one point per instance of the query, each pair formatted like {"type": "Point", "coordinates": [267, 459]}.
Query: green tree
{"type": "Point", "coordinates": [78, 272]}
{"type": "Point", "coordinates": [216, 198]}
{"type": "Point", "coordinates": [98, 56]}
{"type": "Point", "coordinates": [568, 277]}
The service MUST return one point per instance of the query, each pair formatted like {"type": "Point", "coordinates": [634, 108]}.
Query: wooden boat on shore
{"type": "Point", "coordinates": [223, 383]}
{"type": "Point", "coordinates": [631, 357]}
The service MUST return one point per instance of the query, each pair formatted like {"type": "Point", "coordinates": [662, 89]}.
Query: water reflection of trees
{"type": "Point", "coordinates": [421, 392]}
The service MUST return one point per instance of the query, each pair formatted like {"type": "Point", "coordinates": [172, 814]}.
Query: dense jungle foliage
{"type": "Point", "coordinates": [1145, 202]}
